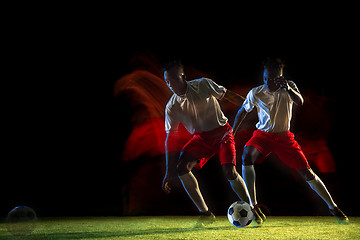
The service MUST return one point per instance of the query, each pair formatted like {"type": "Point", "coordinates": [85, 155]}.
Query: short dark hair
{"type": "Point", "coordinates": [169, 65]}
{"type": "Point", "coordinates": [273, 63]}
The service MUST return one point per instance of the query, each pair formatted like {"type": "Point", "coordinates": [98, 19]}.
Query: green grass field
{"type": "Point", "coordinates": [182, 227]}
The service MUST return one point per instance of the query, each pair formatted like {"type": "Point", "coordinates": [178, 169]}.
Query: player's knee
{"type": "Point", "coordinates": [185, 164]}
{"type": "Point", "coordinates": [182, 168]}
{"type": "Point", "coordinates": [247, 159]}
{"type": "Point", "coordinates": [250, 155]}
{"type": "Point", "coordinates": [307, 174]}
{"type": "Point", "coordinates": [229, 171]}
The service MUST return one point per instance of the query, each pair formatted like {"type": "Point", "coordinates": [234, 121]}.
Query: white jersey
{"type": "Point", "coordinates": [274, 108]}
{"type": "Point", "coordinates": [198, 109]}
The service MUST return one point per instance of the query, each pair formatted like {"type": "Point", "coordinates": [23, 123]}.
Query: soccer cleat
{"type": "Point", "coordinates": [339, 215]}
{"type": "Point", "coordinates": [257, 221]}
{"type": "Point", "coordinates": [261, 214]}
{"type": "Point", "coordinates": [205, 218]}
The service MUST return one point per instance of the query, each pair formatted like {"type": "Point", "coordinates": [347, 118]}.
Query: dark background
{"type": "Point", "coordinates": [62, 137]}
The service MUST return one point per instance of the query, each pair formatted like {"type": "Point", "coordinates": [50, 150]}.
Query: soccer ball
{"type": "Point", "coordinates": [240, 214]}
{"type": "Point", "coordinates": [21, 221]}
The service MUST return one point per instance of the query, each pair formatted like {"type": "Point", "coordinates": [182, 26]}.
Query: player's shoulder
{"type": "Point", "coordinates": [291, 83]}
{"type": "Point", "coordinates": [199, 81]}
{"type": "Point", "coordinates": [257, 89]}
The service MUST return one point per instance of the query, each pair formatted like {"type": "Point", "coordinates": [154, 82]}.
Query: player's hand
{"type": "Point", "coordinates": [167, 183]}
{"type": "Point", "coordinates": [166, 188]}
{"type": "Point", "coordinates": [282, 83]}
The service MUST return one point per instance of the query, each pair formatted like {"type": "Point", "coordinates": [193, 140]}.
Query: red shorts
{"type": "Point", "coordinates": [202, 146]}
{"type": "Point", "coordinates": [282, 144]}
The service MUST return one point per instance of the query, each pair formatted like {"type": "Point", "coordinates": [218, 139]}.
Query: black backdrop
{"type": "Point", "coordinates": [61, 136]}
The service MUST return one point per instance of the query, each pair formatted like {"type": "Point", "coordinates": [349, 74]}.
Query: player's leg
{"type": "Point", "coordinates": [319, 187]}
{"type": "Point", "coordinates": [227, 157]}
{"type": "Point", "coordinates": [186, 163]}
{"type": "Point", "coordinates": [236, 181]}
{"type": "Point", "coordinates": [184, 167]}
{"type": "Point", "coordinates": [250, 155]}
{"type": "Point", "coordinates": [289, 151]}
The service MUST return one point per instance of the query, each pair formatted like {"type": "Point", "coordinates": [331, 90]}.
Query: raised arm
{"type": "Point", "coordinates": [295, 95]}
{"type": "Point", "coordinates": [291, 89]}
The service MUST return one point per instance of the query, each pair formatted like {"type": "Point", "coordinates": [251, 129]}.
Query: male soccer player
{"type": "Point", "coordinates": [274, 101]}
{"type": "Point", "coordinates": [195, 105]}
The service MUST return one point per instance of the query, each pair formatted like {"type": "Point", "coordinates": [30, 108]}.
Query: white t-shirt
{"type": "Point", "coordinates": [198, 110]}
{"type": "Point", "coordinates": [274, 109]}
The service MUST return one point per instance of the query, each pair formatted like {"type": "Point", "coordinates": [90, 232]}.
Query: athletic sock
{"type": "Point", "coordinates": [239, 187]}
{"type": "Point", "coordinates": [192, 188]}
{"type": "Point", "coordinates": [249, 175]}
{"type": "Point", "coordinates": [319, 187]}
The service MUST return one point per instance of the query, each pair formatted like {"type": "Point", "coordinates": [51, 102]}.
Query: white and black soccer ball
{"type": "Point", "coordinates": [240, 214]}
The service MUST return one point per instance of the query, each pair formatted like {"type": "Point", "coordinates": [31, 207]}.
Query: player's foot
{"type": "Point", "coordinates": [339, 215]}
{"type": "Point", "coordinates": [261, 214]}
{"type": "Point", "coordinates": [205, 218]}
{"type": "Point", "coordinates": [257, 221]}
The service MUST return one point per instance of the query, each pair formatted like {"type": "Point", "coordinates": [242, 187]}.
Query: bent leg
{"type": "Point", "coordinates": [318, 186]}
{"type": "Point", "coordinates": [250, 155]}
{"type": "Point", "coordinates": [236, 182]}
{"type": "Point", "coordinates": [190, 184]}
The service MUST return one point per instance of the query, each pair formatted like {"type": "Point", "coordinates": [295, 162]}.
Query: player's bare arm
{"type": "Point", "coordinates": [239, 118]}
{"type": "Point", "coordinates": [293, 93]}
{"type": "Point", "coordinates": [171, 162]}
{"type": "Point", "coordinates": [234, 98]}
